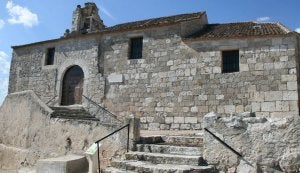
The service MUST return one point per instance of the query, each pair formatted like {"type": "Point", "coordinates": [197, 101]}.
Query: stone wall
{"type": "Point", "coordinates": [266, 144]}
{"type": "Point", "coordinates": [29, 72]}
{"type": "Point", "coordinates": [28, 134]}
{"type": "Point", "coordinates": [176, 82]}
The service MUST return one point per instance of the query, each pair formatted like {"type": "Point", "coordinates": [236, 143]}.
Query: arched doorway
{"type": "Point", "coordinates": [72, 86]}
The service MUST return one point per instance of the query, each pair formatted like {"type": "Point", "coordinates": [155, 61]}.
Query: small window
{"type": "Point", "coordinates": [231, 61]}
{"type": "Point", "coordinates": [50, 56]}
{"type": "Point", "coordinates": [136, 48]}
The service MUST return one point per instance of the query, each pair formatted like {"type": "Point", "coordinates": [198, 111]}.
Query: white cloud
{"type": "Point", "coordinates": [297, 30]}
{"type": "Point", "coordinates": [1, 23]}
{"type": "Point", "coordinates": [107, 13]}
{"type": "Point", "coordinates": [4, 63]}
{"type": "Point", "coordinates": [263, 19]}
{"type": "Point", "coordinates": [3, 88]}
{"type": "Point", "coordinates": [4, 71]}
{"type": "Point", "coordinates": [21, 15]}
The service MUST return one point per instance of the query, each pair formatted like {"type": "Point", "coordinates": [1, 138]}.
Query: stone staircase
{"type": "Point", "coordinates": [164, 154]}
{"type": "Point", "coordinates": [68, 112]}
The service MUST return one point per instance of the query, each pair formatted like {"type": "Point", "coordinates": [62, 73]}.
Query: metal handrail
{"type": "Point", "coordinates": [106, 111]}
{"type": "Point", "coordinates": [97, 142]}
{"type": "Point", "coordinates": [224, 143]}
{"type": "Point", "coordinates": [51, 99]}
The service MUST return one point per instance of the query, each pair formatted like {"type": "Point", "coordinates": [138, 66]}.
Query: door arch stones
{"type": "Point", "coordinates": [72, 86]}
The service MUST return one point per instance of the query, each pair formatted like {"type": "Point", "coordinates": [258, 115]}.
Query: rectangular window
{"type": "Point", "coordinates": [136, 48]}
{"type": "Point", "coordinates": [50, 56]}
{"type": "Point", "coordinates": [231, 61]}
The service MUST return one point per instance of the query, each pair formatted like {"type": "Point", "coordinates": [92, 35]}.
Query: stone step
{"type": "Point", "coordinates": [169, 149]}
{"type": "Point", "coordinates": [196, 141]}
{"type": "Point", "coordinates": [158, 158]}
{"type": "Point", "coordinates": [116, 170]}
{"type": "Point", "coordinates": [151, 139]}
{"type": "Point", "coordinates": [145, 167]}
{"type": "Point", "coordinates": [78, 113]}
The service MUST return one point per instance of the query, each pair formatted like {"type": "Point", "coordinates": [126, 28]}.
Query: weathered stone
{"type": "Point", "coordinates": [290, 162]}
{"type": "Point", "coordinates": [192, 120]}
{"type": "Point", "coordinates": [178, 119]}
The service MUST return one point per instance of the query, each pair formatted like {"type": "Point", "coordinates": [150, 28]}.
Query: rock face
{"type": "Point", "coordinates": [266, 144]}
{"type": "Point", "coordinates": [290, 162]}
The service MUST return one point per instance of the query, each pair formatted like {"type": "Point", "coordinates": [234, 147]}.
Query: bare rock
{"type": "Point", "coordinates": [290, 162]}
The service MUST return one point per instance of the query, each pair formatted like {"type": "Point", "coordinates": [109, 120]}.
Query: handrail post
{"type": "Point", "coordinates": [128, 132]}
{"type": "Point", "coordinates": [98, 148]}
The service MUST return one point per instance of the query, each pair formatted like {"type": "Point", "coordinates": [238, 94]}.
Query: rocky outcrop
{"type": "Point", "coordinates": [267, 145]}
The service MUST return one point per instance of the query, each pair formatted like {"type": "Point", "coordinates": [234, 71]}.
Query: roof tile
{"type": "Point", "coordinates": [241, 29]}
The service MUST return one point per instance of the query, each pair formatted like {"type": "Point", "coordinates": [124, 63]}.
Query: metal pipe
{"type": "Point", "coordinates": [112, 133]}
{"type": "Point", "coordinates": [224, 143]}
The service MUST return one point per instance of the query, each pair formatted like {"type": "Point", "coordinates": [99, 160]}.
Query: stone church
{"type": "Point", "coordinates": [169, 72]}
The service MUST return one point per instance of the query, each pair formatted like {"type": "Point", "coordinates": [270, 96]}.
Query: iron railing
{"type": "Point", "coordinates": [51, 100]}
{"type": "Point", "coordinates": [224, 143]}
{"type": "Point", "coordinates": [106, 116]}
{"type": "Point", "coordinates": [97, 142]}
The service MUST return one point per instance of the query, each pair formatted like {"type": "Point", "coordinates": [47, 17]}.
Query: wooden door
{"type": "Point", "coordinates": [72, 88]}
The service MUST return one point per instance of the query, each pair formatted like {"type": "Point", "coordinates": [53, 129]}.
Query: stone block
{"type": "Point", "coordinates": [255, 106]}
{"type": "Point", "coordinates": [170, 63]}
{"type": "Point", "coordinates": [165, 127]}
{"type": "Point", "coordinates": [220, 109]}
{"type": "Point", "coordinates": [217, 70]}
{"type": "Point", "coordinates": [293, 71]}
{"type": "Point", "coordinates": [259, 66]}
{"type": "Point", "coordinates": [175, 126]}
{"type": "Point", "coordinates": [293, 105]}
{"type": "Point", "coordinates": [229, 109]}
{"type": "Point", "coordinates": [179, 120]}
{"type": "Point", "coordinates": [143, 119]}
{"type": "Point", "coordinates": [202, 108]}
{"type": "Point", "coordinates": [150, 119]}
{"type": "Point", "coordinates": [284, 58]}
{"type": "Point", "coordinates": [291, 77]}
{"type": "Point", "coordinates": [292, 86]}
{"type": "Point", "coordinates": [196, 126]}
{"type": "Point", "coordinates": [262, 114]}
{"type": "Point", "coordinates": [244, 67]}
{"type": "Point", "coordinates": [192, 120]}
{"type": "Point", "coordinates": [273, 95]}
{"type": "Point", "coordinates": [64, 164]}
{"type": "Point", "coordinates": [282, 106]}
{"type": "Point", "coordinates": [239, 108]}
{"type": "Point", "coordinates": [219, 97]}
{"type": "Point", "coordinates": [115, 78]}
{"type": "Point", "coordinates": [187, 72]}
{"type": "Point", "coordinates": [153, 126]}
{"type": "Point", "coordinates": [169, 120]}
{"type": "Point", "coordinates": [202, 97]}
{"type": "Point", "coordinates": [290, 95]}
{"type": "Point", "coordinates": [268, 106]}
{"type": "Point", "coordinates": [194, 109]}
{"type": "Point", "coordinates": [185, 126]}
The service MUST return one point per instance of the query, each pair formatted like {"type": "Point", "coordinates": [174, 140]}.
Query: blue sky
{"type": "Point", "coordinates": [27, 21]}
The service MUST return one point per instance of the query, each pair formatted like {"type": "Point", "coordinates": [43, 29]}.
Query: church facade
{"type": "Point", "coordinates": [169, 71]}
